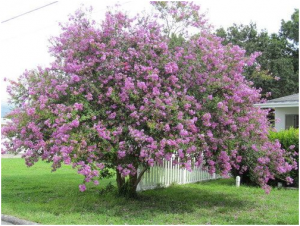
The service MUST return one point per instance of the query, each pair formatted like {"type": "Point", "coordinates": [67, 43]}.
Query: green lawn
{"type": "Point", "coordinates": [38, 195]}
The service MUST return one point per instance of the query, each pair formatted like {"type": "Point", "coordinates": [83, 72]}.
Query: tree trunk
{"type": "Point", "coordinates": [127, 188]}
{"type": "Point", "coordinates": [120, 180]}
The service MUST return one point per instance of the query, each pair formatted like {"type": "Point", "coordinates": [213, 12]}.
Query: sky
{"type": "Point", "coordinates": [24, 41]}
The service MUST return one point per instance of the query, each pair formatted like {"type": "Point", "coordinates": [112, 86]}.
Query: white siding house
{"type": "Point", "coordinates": [286, 111]}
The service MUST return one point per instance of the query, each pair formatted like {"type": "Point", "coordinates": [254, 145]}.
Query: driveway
{"type": "Point", "coordinates": [5, 223]}
{"type": "Point", "coordinates": [10, 156]}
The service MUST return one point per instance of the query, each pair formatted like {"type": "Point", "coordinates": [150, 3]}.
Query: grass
{"type": "Point", "coordinates": [38, 195]}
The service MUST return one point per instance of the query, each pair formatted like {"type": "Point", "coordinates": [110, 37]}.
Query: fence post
{"type": "Point", "coordinates": [138, 188]}
{"type": "Point", "coordinates": [238, 181]}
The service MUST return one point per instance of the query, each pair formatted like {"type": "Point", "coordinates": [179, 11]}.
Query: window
{"type": "Point", "coordinates": [291, 121]}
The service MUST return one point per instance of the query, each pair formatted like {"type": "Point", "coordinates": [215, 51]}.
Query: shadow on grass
{"type": "Point", "coordinates": [63, 198]}
{"type": "Point", "coordinates": [54, 198]}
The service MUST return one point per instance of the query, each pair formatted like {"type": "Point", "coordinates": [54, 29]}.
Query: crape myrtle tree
{"type": "Point", "coordinates": [123, 95]}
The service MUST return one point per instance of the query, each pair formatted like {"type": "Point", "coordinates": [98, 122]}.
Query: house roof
{"type": "Point", "coordinates": [286, 101]}
{"type": "Point", "coordinates": [290, 98]}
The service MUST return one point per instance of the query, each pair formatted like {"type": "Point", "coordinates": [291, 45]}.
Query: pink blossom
{"type": "Point", "coordinates": [220, 105]}
{"type": "Point", "coordinates": [78, 106]}
{"type": "Point", "coordinates": [112, 115]}
{"type": "Point", "coordinates": [30, 111]}
{"type": "Point", "coordinates": [153, 77]}
{"type": "Point", "coordinates": [156, 91]}
{"type": "Point", "coordinates": [82, 187]}
{"type": "Point", "coordinates": [109, 91]}
{"type": "Point", "coordinates": [171, 68]}
{"type": "Point", "coordinates": [74, 123]}
{"type": "Point", "coordinates": [75, 78]}
{"type": "Point", "coordinates": [289, 180]}
{"type": "Point", "coordinates": [292, 147]}
{"type": "Point", "coordinates": [125, 172]}
{"type": "Point", "coordinates": [121, 154]}
{"type": "Point", "coordinates": [100, 165]}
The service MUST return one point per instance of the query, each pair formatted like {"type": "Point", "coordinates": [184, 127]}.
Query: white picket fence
{"type": "Point", "coordinates": [167, 174]}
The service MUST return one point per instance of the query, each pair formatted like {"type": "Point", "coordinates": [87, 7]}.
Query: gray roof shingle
{"type": "Point", "coordinates": [290, 98]}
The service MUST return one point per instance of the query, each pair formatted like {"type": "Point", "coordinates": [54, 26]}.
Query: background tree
{"type": "Point", "coordinates": [290, 29]}
{"type": "Point", "coordinates": [122, 95]}
{"type": "Point", "coordinates": [279, 59]}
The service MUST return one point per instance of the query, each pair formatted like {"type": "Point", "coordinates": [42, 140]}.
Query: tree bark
{"type": "Point", "coordinates": [120, 180]}
{"type": "Point", "coordinates": [128, 188]}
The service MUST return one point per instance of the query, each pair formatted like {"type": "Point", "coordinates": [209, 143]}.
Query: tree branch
{"type": "Point", "coordinates": [140, 176]}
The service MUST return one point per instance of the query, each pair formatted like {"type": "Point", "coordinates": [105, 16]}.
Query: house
{"type": "Point", "coordinates": [4, 121]}
{"type": "Point", "coordinates": [286, 111]}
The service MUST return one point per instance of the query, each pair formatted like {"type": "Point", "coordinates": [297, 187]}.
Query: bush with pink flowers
{"type": "Point", "coordinates": [119, 96]}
